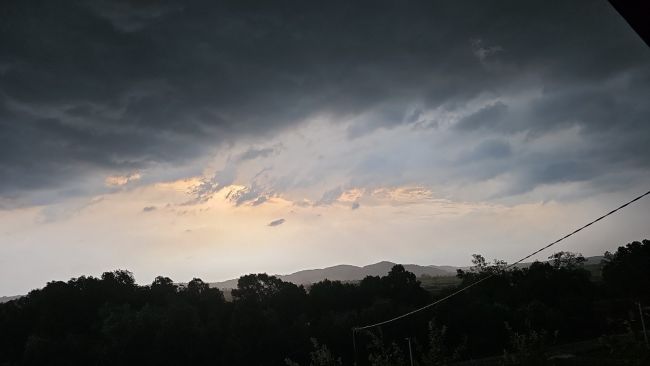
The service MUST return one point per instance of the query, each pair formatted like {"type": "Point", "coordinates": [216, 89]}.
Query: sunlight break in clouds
{"type": "Point", "coordinates": [120, 180]}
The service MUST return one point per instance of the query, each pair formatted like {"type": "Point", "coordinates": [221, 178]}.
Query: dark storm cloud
{"type": "Point", "coordinates": [490, 149]}
{"type": "Point", "coordinates": [330, 197]}
{"type": "Point", "coordinates": [486, 118]}
{"type": "Point", "coordinates": [208, 187]}
{"type": "Point", "coordinates": [254, 153]}
{"type": "Point", "coordinates": [384, 117]}
{"type": "Point", "coordinates": [102, 86]}
{"type": "Point", "coordinates": [277, 222]}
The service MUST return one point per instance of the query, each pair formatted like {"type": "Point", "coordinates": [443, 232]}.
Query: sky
{"type": "Point", "coordinates": [217, 138]}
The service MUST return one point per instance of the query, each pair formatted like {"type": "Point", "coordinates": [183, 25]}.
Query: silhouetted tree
{"type": "Point", "coordinates": [627, 271]}
{"type": "Point", "coordinates": [566, 260]}
{"type": "Point", "coordinates": [113, 321]}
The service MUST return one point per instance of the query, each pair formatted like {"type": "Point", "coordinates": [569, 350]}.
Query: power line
{"type": "Point", "coordinates": [465, 288]}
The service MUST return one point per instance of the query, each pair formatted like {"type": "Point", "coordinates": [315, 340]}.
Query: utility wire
{"type": "Point", "coordinates": [467, 287]}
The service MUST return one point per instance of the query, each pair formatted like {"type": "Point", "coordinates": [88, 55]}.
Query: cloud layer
{"type": "Point", "coordinates": [111, 88]}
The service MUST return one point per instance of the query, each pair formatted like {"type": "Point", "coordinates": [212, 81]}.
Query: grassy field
{"type": "Point", "coordinates": [435, 284]}
{"type": "Point", "coordinates": [438, 283]}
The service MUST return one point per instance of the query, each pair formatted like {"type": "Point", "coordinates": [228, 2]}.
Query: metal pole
{"type": "Point", "coordinates": [410, 351]}
{"type": "Point", "coordinates": [354, 345]}
{"type": "Point", "coordinates": [645, 334]}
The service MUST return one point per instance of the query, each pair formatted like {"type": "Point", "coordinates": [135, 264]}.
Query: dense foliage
{"type": "Point", "coordinates": [113, 321]}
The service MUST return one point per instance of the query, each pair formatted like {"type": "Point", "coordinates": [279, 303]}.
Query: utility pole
{"type": "Point", "coordinates": [410, 351]}
{"type": "Point", "coordinates": [645, 334]}
{"type": "Point", "coordinates": [354, 345]}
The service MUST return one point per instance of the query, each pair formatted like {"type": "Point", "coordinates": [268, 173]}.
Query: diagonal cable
{"type": "Point", "coordinates": [467, 287]}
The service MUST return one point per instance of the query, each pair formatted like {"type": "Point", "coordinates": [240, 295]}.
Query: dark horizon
{"type": "Point", "coordinates": [565, 309]}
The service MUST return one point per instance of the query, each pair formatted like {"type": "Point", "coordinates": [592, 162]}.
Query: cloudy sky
{"type": "Point", "coordinates": [217, 138]}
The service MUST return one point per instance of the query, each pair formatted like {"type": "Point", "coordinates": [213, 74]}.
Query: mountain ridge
{"type": "Point", "coordinates": [348, 272]}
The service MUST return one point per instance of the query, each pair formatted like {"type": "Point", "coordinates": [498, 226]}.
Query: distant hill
{"type": "Point", "coordinates": [594, 261]}
{"type": "Point", "coordinates": [346, 272]}
{"type": "Point", "coordinates": [350, 273]}
{"type": "Point", "coordinates": [9, 298]}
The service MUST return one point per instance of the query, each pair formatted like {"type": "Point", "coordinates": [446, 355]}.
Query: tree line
{"type": "Point", "coordinates": [516, 314]}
